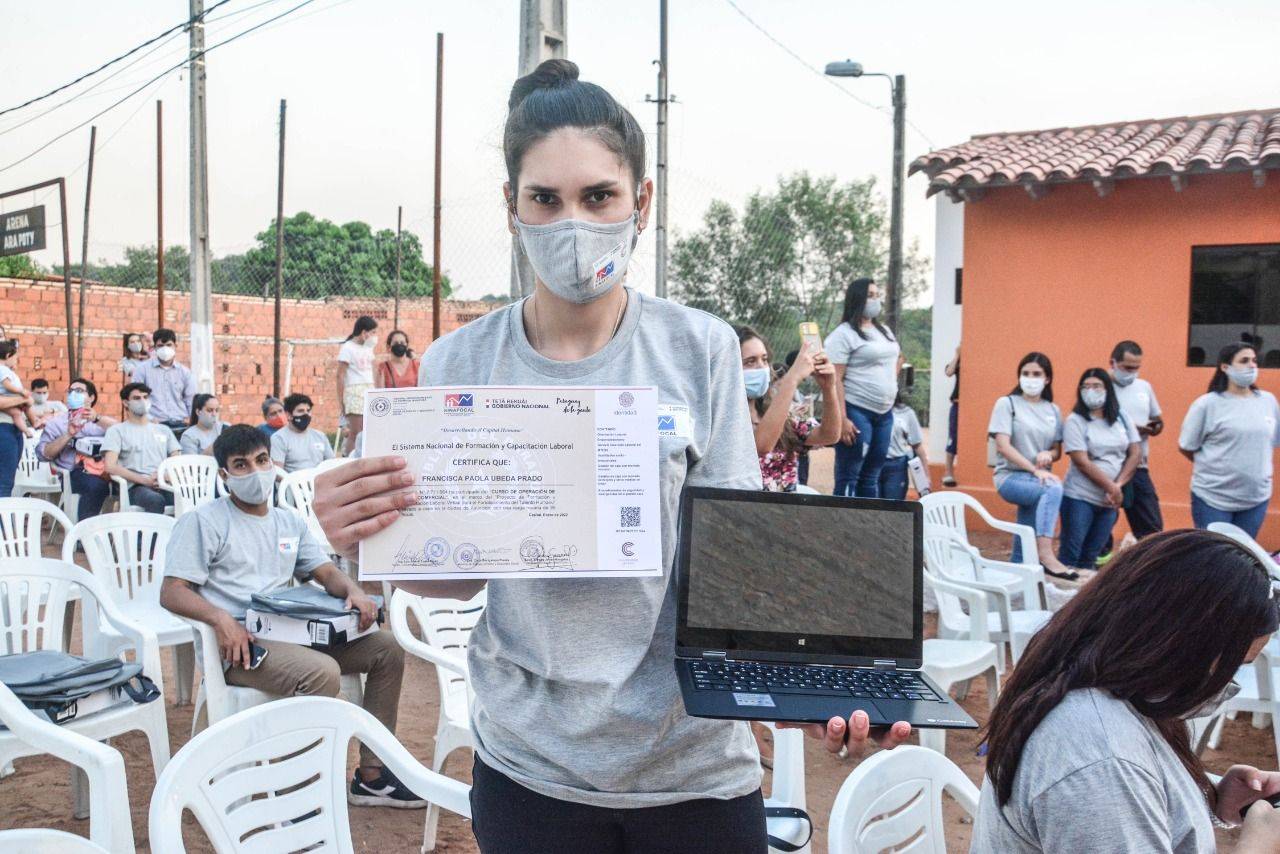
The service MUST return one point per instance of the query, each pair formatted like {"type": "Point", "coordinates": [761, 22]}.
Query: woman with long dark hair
{"type": "Point", "coordinates": [355, 376]}
{"type": "Point", "coordinates": [400, 368]}
{"type": "Point", "coordinates": [780, 435]}
{"type": "Point", "coordinates": [1088, 748]}
{"type": "Point", "coordinates": [1228, 435]}
{"type": "Point", "coordinates": [1105, 449]}
{"type": "Point", "coordinates": [1026, 427]}
{"type": "Point", "coordinates": [865, 354]}
{"type": "Point", "coordinates": [204, 426]}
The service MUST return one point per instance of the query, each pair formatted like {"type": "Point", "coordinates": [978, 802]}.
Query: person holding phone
{"type": "Point", "coordinates": [58, 445]}
{"type": "Point", "coordinates": [582, 742]}
{"type": "Point", "coordinates": [865, 354]}
{"type": "Point", "coordinates": [223, 552]}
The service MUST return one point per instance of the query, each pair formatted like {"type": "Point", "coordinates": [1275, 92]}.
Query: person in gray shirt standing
{"type": "Point", "coordinates": [581, 738]}
{"type": "Point", "coordinates": [1138, 401]}
{"type": "Point", "coordinates": [1088, 748]}
{"type": "Point", "coordinates": [1228, 435]}
{"type": "Point", "coordinates": [298, 445]}
{"type": "Point", "coordinates": [173, 387]}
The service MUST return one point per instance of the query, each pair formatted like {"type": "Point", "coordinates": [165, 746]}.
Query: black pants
{"type": "Point", "coordinates": [507, 818]}
{"type": "Point", "coordinates": [1144, 515]}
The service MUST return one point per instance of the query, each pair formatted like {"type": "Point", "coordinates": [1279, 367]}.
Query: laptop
{"type": "Point", "coordinates": [797, 607]}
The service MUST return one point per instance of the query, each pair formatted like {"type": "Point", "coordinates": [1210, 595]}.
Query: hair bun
{"type": "Point", "coordinates": [550, 74]}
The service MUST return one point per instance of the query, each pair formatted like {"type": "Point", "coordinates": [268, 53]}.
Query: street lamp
{"type": "Point", "coordinates": [898, 88]}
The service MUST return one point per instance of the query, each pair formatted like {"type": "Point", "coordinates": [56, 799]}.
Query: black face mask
{"type": "Point", "coordinates": [398, 350]}
{"type": "Point", "coordinates": [301, 422]}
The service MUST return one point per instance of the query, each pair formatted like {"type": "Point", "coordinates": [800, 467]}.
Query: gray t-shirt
{"type": "Point", "coordinates": [1107, 446]}
{"type": "Point", "coordinates": [1138, 401]}
{"type": "Point", "coordinates": [575, 690]}
{"type": "Point", "coordinates": [871, 366]}
{"type": "Point", "coordinates": [142, 447]}
{"type": "Point", "coordinates": [906, 432]}
{"type": "Point", "coordinates": [1031, 428]}
{"type": "Point", "coordinates": [1232, 438]}
{"type": "Point", "coordinates": [231, 554]}
{"type": "Point", "coordinates": [1095, 776]}
{"type": "Point", "coordinates": [295, 451]}
{"type": "Point", "coordinates": [197, 441]}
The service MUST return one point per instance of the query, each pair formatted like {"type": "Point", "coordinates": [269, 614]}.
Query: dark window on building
{"type": "Point", "coordinates": [1235, 296]}
{"type": "Point", "coordinates": [959, 283]}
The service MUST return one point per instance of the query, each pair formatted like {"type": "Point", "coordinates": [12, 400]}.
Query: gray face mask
{"type": "Point", "coordinates": [1243, 377]}
{"type": "Point", "coordinates": [253, 488]}
{"type": "Point", "coordinates": [1211, 705]}
{"type": "Point", "coordinates": [872, 309]}
{"type": "Point", "coordinates": [579, 261]}
{"type": "Point", "coordinates": [1093, 398]}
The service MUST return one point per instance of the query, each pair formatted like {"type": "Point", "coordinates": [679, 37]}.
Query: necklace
{"type": "Point", "coordinates": [537, 330]}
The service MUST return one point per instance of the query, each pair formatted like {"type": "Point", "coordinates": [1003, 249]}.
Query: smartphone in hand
{"type": "Point", "coordinates": [809, 334]}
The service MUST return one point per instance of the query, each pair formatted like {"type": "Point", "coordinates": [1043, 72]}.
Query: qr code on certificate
{"type": "Point", "coordinates": [630, 517]}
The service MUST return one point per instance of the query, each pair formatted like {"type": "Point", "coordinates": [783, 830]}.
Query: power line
{"type": "Point", "coordinates": [111, 62]}
{"type": "Point", "coordinates": [800, 59]}
{"type": "Point", "coordinates": [154, 79]}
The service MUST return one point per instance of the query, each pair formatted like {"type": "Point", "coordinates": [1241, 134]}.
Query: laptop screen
{"type": "Point", "coordinates": [800, 573]}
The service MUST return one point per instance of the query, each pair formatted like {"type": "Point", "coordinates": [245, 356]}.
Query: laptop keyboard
{"type": "Point", "coordinates": [862, 682]}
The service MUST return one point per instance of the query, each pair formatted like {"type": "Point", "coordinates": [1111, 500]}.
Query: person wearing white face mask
{"type": "Point", "coordinates": [1228, 435]}
{"type": "Point", "coordinates": [136, 354]}
{"type": "Point", "coordinates": [224, 551]}
{"type": "Point", "coordinates": [205, 426]}
{"type": "Point", "coordinates": [134, 449]}
{"type": "Point", "coordinates": [1105, 450]}
{"type": "Point", "coordinates": [173, 387]}
{"type": "Point", "coordinates": [1138, 401]}
{"type": "Point", "coordinates": [582, 741]}
{"type": "Point", "coordinates": [1026, 428]}
{"type": "Point", "coordinates": [355, 376]}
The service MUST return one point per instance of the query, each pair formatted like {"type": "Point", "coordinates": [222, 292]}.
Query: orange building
{"type": "Point", "coordinates": [1067, 241]}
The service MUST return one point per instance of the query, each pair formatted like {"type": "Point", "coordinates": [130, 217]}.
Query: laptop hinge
{"type": "Point", "coordinates": [885, 664]}
{"type": "Point", "coordinates": [718, 656]}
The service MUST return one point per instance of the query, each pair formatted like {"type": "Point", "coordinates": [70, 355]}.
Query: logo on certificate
{"type": "Point", "coordinates": [466, 555]}
{"type": "Point", "coordinates": [436, 550]}
{"type": "Point", "coordinates": [380, 406]}
{"type": "Point", "coordinates": [629, 549]}
{"type": "Point", "coordinates": [626, 400]}
{"type": "Point", "coordinates": [458, 401]}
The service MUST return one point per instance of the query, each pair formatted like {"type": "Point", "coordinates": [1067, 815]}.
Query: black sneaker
{"type": "Point", "coordinates": [384, 791]}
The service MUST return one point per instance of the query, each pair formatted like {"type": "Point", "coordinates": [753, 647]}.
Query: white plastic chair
{"type": "Point", "coordinates": [27, 584]}
{"type": "Point", "coordinates": [1242, 537]}
{"type": "Point", "coordinates": [126, 552]}
{"type": "Point", "coordinates": [1259, 695]}
{"type": "Point", "coordinates": [446, 625]}
{"type": "Point", "coordinates": [788, 788]}
{"type": "Point", "coordinates": [951, 661]}
{"type": "Point", "coordinates": [325, 465]}
{"type": "Point", "coordinates": [274, 778]}
{"type": "Point", "coordinates": [110, 825]}
{"type": "Point", "coordinates": [43, 841]}
{"type": "Point", "coordinates": [948, 557]}
{"type": "Point", "coordinates": [69, 501]}
{"type": "Point", "coordinates": [296, 492]}
{"type": "Point", "coordinates": [21, 521]}
{"type": "Point", "coordinates": [192, 478]}
{"type": "Point", "coordinates": [947, 509]}
{"type": "Point", "coordinates": [34, 476]}
{"type": "Point", "coordinates": [893, 801]}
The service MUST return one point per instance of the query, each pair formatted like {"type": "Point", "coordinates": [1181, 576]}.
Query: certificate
{"type": "Point", "coordinates": [518, 482]}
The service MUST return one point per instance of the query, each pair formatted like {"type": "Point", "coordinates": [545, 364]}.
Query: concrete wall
{"type": "Point", "coordinates": [34, 313]}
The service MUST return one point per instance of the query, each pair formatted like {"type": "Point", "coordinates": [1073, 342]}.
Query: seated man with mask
{"type": "Point", "coordinates": [223, 552]}
{"type": "Point", "coordinates": [298, 445]}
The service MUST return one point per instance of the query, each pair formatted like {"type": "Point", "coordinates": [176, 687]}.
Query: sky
{"type": "Point", "coordinates": [359, 77]}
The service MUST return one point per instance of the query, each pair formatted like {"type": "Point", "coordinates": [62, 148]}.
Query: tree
{"type": "Point", "coordinates": [19, 267]}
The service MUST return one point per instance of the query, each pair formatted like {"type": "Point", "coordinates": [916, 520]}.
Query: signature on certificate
{"type": "Point", "coordinates": [414, 552]}
{"type": "Point", "coordinates": [536, 555]}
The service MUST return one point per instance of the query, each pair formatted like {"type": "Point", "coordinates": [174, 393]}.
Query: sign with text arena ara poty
{"type": "Point", "coordinates": [22, 231]}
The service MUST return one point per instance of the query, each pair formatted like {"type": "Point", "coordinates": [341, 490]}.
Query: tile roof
{"type": "Point", "coordinates": [1177, 147]}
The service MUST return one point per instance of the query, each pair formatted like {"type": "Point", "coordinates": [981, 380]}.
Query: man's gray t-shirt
{"type": "Point", "coordinates": [871, 366]}
{"type": "Point", "coordinates": [1138, 401]}
{"type": "Point", "coordinates": [906, 433]}
{"type": "Point", "coordinates": [575, 688]}
{"type": "Point", "coordinates": [295, 451]}
{"type": "Point", "coordinates": [1107, 446]}
{"type": "Point", "coordinates": [1232, 438]}
{"type": "Point", "coordinates": [1095, 777]}
{"type": "Point", "coordinates": [230, 554]}
{"type": "Point", "coordinates": [142, 447]}
{"type": "Point", "coordinates": [1031, 428]}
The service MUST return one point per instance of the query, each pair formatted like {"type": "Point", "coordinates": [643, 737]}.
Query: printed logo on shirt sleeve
{"type": "Point", "coordinates": [288, 545]}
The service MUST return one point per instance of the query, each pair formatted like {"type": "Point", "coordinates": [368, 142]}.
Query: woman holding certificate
{"type": "Point", "coordinates": [580, 733]}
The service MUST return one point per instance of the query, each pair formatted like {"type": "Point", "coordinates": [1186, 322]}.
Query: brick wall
{"type": "Point", "coordinates": [35, 314]}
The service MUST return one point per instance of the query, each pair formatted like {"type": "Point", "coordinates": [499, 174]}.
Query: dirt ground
{"type": "Point", "coordinates": [39, 794]}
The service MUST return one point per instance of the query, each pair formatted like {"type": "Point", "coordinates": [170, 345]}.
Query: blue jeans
{"type": "Point", "coordinates": [92, 490]}
{"type": "Point", "coordinates": [149, 500]}
{"type": "Point", "coordinates": [1249, 521]}
{"type": "Point", "coordinates": [10, 453]}
{"type": "Point", "coordinates": [893, 479]}
{"type": "Point", "coordinates": [1085, 529]}
{"type": "Point", "coordinates": [1038, 504]}
{"type": "Point", "coordinates": [858, 465]}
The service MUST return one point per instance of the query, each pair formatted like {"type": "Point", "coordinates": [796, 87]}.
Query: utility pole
{"type": "Point", "coordinates": [895, 217]}
{"type": "Point", "coordinates": [435, 224]}
{"type": "Point", "coordinates": [201, 295]}
{"type": "Point", "coordinates": [275, 374]}
{"type": "Point", "coordinates": [544, 34]}
{"type": "Point", "coordinates": [399, 228]}
{"type": "Point", "coordinates": [159, 215]}
{"type": "Point", "coordinates": [660, 228]}
{"type": "Point", "coordinates": [84, 247]}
